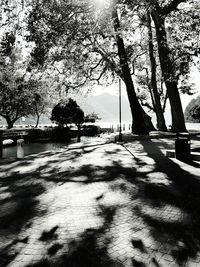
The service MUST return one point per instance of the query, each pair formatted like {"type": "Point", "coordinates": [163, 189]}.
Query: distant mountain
{"type": "Point", "coordinates": [107, 107]}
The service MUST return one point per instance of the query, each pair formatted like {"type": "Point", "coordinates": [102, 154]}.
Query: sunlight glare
{"type": "Point", "coordinates": [101, 3]}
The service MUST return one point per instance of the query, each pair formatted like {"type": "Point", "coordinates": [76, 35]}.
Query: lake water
{"type": "Point", "coordinates": [126, 125]}
{"type": "Point", "coordinates": [32, 148]}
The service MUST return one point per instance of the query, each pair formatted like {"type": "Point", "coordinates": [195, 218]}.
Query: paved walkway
{"type": "Point", "coordinates": [97, 204]}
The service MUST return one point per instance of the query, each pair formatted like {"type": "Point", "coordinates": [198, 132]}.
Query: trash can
{"type": "Point", "coordinates": [182, 146]}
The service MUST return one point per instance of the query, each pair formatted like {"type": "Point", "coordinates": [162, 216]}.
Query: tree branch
{"type": "Point", "coordinates": [145, 104]}
{"type": "Point", "coordinates": [171, 6]}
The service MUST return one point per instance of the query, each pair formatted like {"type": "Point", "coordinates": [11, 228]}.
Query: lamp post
{"type": "Point", "coordinates": [120, 112]}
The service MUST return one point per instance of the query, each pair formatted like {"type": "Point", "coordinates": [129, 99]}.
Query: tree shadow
{"type": "Point", "coordinates": [179, 236]}
{"type": "Point", "coordinates": [196, 146]}
{"type": "Point", "coordinates": [86, 250]}
{"type": "Point", "coordinates": [193, 163]}
{"type": "Point", "coordinates": [21, 201]}
{"type": "Point", "coordinates": [89, 173]}
{"type": "Point", "coordinates": [179, 233]}
{"type": "Point", "coordinates": [19, 206]}
{"type": "Point", "coordinates": [70, 154]}
{"type": "Point", "coordinates": [48, 235]}
{"type": "Point", "coordinates": [17, 212]}
{"type": "Point", "coordinates": [136, 263]}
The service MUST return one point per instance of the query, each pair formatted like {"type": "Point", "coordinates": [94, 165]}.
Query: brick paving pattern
{"type": "Point", "coordinates": [100, 205]}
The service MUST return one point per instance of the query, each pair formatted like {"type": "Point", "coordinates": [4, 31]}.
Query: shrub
{"type": "Point", "coordinates": [61, 134]}
{"type": "Point", "coordinates": [54, 134]}
{"type": "Point", "coordinates": [90, 130]}
{"type": "Point", "coordinates": [34, 134]}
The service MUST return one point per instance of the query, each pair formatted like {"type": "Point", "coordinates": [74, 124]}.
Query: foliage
{"type": "Point", "coordinates": [44, 96]}
{"type": "Point", "coordinates": [183, 38]}
{"type": "Point", "coordinates": [23, 91]}
{"type": "Point", "coordinates": [91, 130]}
{"type": "Point", "coordinates": [89, 53]}
{"type": "Point", "coordinates": [66, 112]}
{"type": "Point", "coordinates": [192, 111]}
{"type": "Point", "coordinates": [54, 134]}
{"type": "Point", "coordinates": [36, 134]}
{"type": "Point", "coordinates": [16, 99]}
{"type": "Point", "coordinates": [75, 43]}
{"type": "Point", "coordinates": [92, 117]}
{"type": "Point", "coordinates": [55, 30]}
{"type": "Point", "coordinates": [60, 134]}
{"type": "Point", "coordinates": [183, 34]}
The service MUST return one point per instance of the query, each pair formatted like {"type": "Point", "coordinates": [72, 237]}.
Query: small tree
{"type": "Point", "coordinates": [66, 112]}
{"type": "Point", "coordinates": [192, 111]}
{"type": "Point", "coordinates": [16, 97]}
{"type": "Point", "coordinates": [15, 102]}
{"type": "Point", "coordinates": [38, 107]}
{"type": "Point", "coordinates": [92, 117]}
{"type": "Point", "coordinates": [43, 98]}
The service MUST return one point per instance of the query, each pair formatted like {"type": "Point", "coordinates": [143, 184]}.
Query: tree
{"type": "Point", "coordinates": [20, 95]}
{"type": "Point", "coordinates": [159, 15]}
{"type": "Point", "coordinates": [15, 102]}
{"type": "Point", "coordinates": [192, 111]}
{"type": "Point", "coordinates": [16, 96]}
{"type": "Point", "coordinates": [80, 42]}
{"type": "Point", "coordinates": [92, 117]}
{"type": "Point", "coordinates": [25, 89]}
{"type": "Point", "coordinates": [44, 97]}
{"type": "Point", "coordinates": [141, 121]}
{"type": "Point", "coordinates": [85, 47]}
{"type": "Point", "coordinates": [67, 112]}
{"type": "Point", "coordinates": [172, 59]}
{"type": "Point", "coordinates": [153, 81]}
{"type": "Point", "coordinates": [182, 35]}
{"type": "Point", "coordinates": [150, 91]}
{"type": "Point", "coordinates": [39, 106]}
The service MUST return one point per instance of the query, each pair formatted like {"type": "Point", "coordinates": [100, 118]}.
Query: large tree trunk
{"type": "Point", "coordinates": [10, 122]}
{"type": "Point", "coordinates": [141, 121]}
{"type": "Point", "coordinates": [156, 97]}
{"type": "Point", "coordinates": [178, 122]}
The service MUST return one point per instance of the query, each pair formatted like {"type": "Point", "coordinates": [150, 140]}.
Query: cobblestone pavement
{"type": "Point", "coordinates": [100, 205]}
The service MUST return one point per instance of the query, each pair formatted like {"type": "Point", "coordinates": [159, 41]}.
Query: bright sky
{"type": "Point", "coordinates": [114, 90]}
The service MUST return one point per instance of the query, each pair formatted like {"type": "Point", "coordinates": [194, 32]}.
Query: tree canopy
{"type": "Point", "coordinates": [15, 101]}
{"type": "Point", "coordinates": [67, 112]}
{"type": "Point", "coordinates": [151, 45]}
{"type": "Point", "coordinates": [21, 94]}
{"type": "Point", "coordinates": [92, 117]}
{"type": "Point", "coordinates": [192, 111]}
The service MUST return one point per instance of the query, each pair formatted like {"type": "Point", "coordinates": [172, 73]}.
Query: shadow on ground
{"type": "Point", "coordinates": [22, 185]}
{"type": "Point", "coordinates": [181, 236]}
{"type": "Point", "coordinates": [85, 251]}
{"type": "Point", "coordinates": [18, 203]}
{"type": "Point", "coordinates": [170, 211]}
